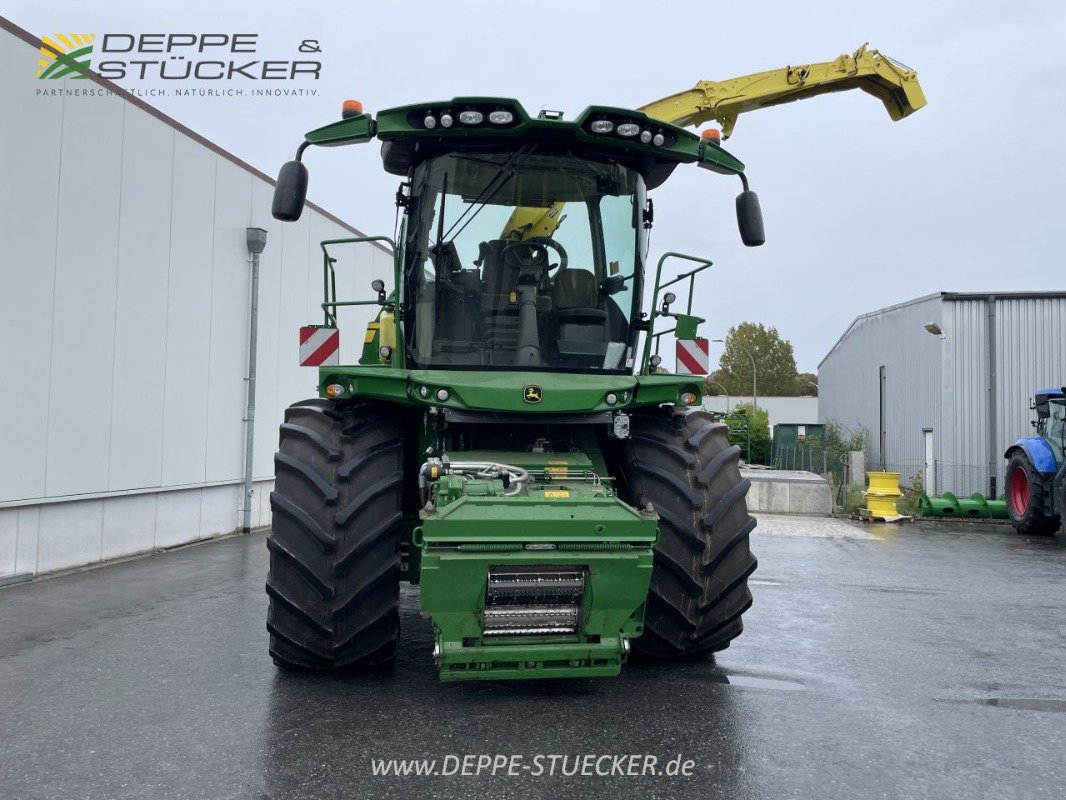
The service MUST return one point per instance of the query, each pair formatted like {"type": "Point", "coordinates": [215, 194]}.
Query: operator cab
{"type": "Point", "coordinates": [523, 260]}
{"type": "Point", "coordinates": [1050, 407]}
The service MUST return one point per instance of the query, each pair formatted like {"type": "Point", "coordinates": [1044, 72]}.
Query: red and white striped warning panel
{"type": "Point", "coordinates": [319, 346]}
{"type": "Point", "coordinates": [693, 356]}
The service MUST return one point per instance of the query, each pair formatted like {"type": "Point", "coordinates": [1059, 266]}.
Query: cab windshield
{"type": "Point", "coordinates": [523, 261]}
{"type": "Point", "coordinates": [1055, 427]}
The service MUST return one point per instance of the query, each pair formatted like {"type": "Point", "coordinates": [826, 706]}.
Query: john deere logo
{"type": "Point", "coordinates": [65, 55]}
{"type": "Point", "coordinates": [533, 394]}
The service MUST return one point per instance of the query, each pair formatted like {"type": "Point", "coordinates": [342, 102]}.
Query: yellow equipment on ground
{"type": "Point", "coordinates": [882, 494]}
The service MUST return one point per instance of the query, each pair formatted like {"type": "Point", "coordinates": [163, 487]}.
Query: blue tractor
{"type": "Point", "coordinates": [1036, 470]}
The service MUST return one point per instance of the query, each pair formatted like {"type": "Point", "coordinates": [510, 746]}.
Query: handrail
{"type": "Point", "coordinates": [329, 283]}
{"type": "Point", "coordinates": [650, 333]}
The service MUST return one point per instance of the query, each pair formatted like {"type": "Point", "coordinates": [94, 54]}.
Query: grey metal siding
{"type": "Point", "coordinates": [848, 380]}
{"type": "Point", "coordinates": [962, 451]}
{"type": "Point", "coordinates": [1030, 353]}
{"type": "Point", "coordinates": [944, 384]}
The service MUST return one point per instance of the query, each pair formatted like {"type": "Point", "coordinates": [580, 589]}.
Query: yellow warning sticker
{"type": "Point", "coordinates": [556, 494]}
{"type": "Point", "coordinates": [556, 468]}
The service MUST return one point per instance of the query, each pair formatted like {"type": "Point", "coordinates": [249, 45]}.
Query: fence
{"type": "Point", "coordinates": [811, 459]}
{"type": "Point", "coordinates": [961, 480]}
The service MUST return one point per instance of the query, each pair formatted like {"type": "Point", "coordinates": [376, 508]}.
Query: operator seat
{"type": "Point", "coordinates": [575, 296]}
{"type": "Point", "coordinates": [499, 312]}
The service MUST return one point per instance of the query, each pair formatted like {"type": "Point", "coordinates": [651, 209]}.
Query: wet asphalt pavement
{"type": "Point", "coordinates": [912, 662]}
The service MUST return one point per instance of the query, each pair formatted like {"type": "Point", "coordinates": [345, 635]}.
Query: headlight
{"type": "Point", "coordinates": [628, 129]}
{"type": "Point", "coordinates": [443, 395]}
{"type": "Point", "coordinates": [430, 121]}
{"type": "Point", "coordinates": [446, 120]}
{"type": "Point", "coordinates": [501, 117]}
{"type": "Point", "coordinates": [602, 126]}
{"type": "Point", "coordinates": [471, 117]}
{"type": "Point", "coordinates": [334, 390]}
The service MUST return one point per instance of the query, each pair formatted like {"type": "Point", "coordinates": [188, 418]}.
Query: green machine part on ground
{"type": "Point", "coordinates": [976, 506]}
{"type": "Point", "coordinates": [507, 442]}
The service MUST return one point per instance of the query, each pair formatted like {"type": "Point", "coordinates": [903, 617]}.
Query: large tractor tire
{"type": "Point", "coordinates": [334, 582]}
{"type": "Point", "coordinates": [1025, 498]}
{"type": "Point", "coordinates": [684, 466]}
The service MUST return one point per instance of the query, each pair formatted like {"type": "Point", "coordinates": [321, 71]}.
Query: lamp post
{"type": "Point", "coordinates": [725, 391]}
{"type": "Point", "coordinates": [754, 380]}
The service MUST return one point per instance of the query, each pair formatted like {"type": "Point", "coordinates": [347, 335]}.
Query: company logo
{"type": "Point", "coordinates": [179, 58]}
{"type": "Point", "coordinates": [65, 55]}
{"type": "Point", "coordinates": [532, 394]}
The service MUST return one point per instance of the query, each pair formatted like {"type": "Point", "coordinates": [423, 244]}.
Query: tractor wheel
{"type": "Point", "coordinates": [1025, 498]}
{"type": "Point", "coordinates": [685, 467]}
{"type": "Point", "coordinates": [334, 583]}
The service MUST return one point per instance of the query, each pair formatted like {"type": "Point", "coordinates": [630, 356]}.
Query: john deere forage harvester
{"type": "Point", "coordinates": [505, 441]}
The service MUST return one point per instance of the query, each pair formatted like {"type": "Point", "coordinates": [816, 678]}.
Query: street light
{"type": "Point", "coordinates": [935, 329]}
{"type": "Point", "coordinates": [724, 390]}
{"type": "Point", "coordinates": [754, 383]}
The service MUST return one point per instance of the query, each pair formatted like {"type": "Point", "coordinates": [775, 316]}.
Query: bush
{"type": "Point", "coordinates": [912, 496]}
{"type": "Point", "coordinates": [854, 498]}
{"type": "Point", "coordinates": [737, 420]}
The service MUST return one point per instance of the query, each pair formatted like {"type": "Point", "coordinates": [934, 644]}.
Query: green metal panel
{"type": "Point", "coordinates": [453, 594]}
{"type": "Point", "coordinates": [347, 131]}
{"type": "Point", "coordinates": [400, 122]}
{"type": "Point", "coordinates": [567, 516]}
{"type": "Point", "coordinates": [787, 434]}
{"type": "Point", "coordinates": [553, 510]}
{"type": "Point", "coordinates": [505, 391]}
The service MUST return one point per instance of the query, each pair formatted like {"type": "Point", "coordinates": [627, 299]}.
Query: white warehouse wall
{"type": "Point", "coordinates": [799, 410]}
{"type": "Point", "coordinates": [124, 304]}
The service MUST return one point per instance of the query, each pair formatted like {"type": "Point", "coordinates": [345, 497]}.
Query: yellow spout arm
{"type": "Point", "coordinates": [723, 101]}
{"type": "Point", "coordinates": [894, 84]}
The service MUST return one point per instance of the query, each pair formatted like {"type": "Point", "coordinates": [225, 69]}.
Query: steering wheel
{"type": "Point", "coordinates": [532, 254]}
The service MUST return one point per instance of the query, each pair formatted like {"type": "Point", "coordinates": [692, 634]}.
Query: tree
{"type": "Point", "coordinates": [775, 364]}
{"type": "Point", "coordinates": [806, 385]}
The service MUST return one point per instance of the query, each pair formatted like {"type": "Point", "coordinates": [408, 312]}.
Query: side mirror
{"type": "Point", "coordinates": [290, 192]}
{"type": "Point", "coordinates": [749, 219]}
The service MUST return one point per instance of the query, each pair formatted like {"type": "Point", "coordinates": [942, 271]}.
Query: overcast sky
{"type": "Point", "coordinates": [860, 212]}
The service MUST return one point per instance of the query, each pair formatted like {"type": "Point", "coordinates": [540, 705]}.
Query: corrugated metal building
{"type": "Point", "coordinates": [943, 383]}
{"type": "Point", "coordinates": [124, 309]}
